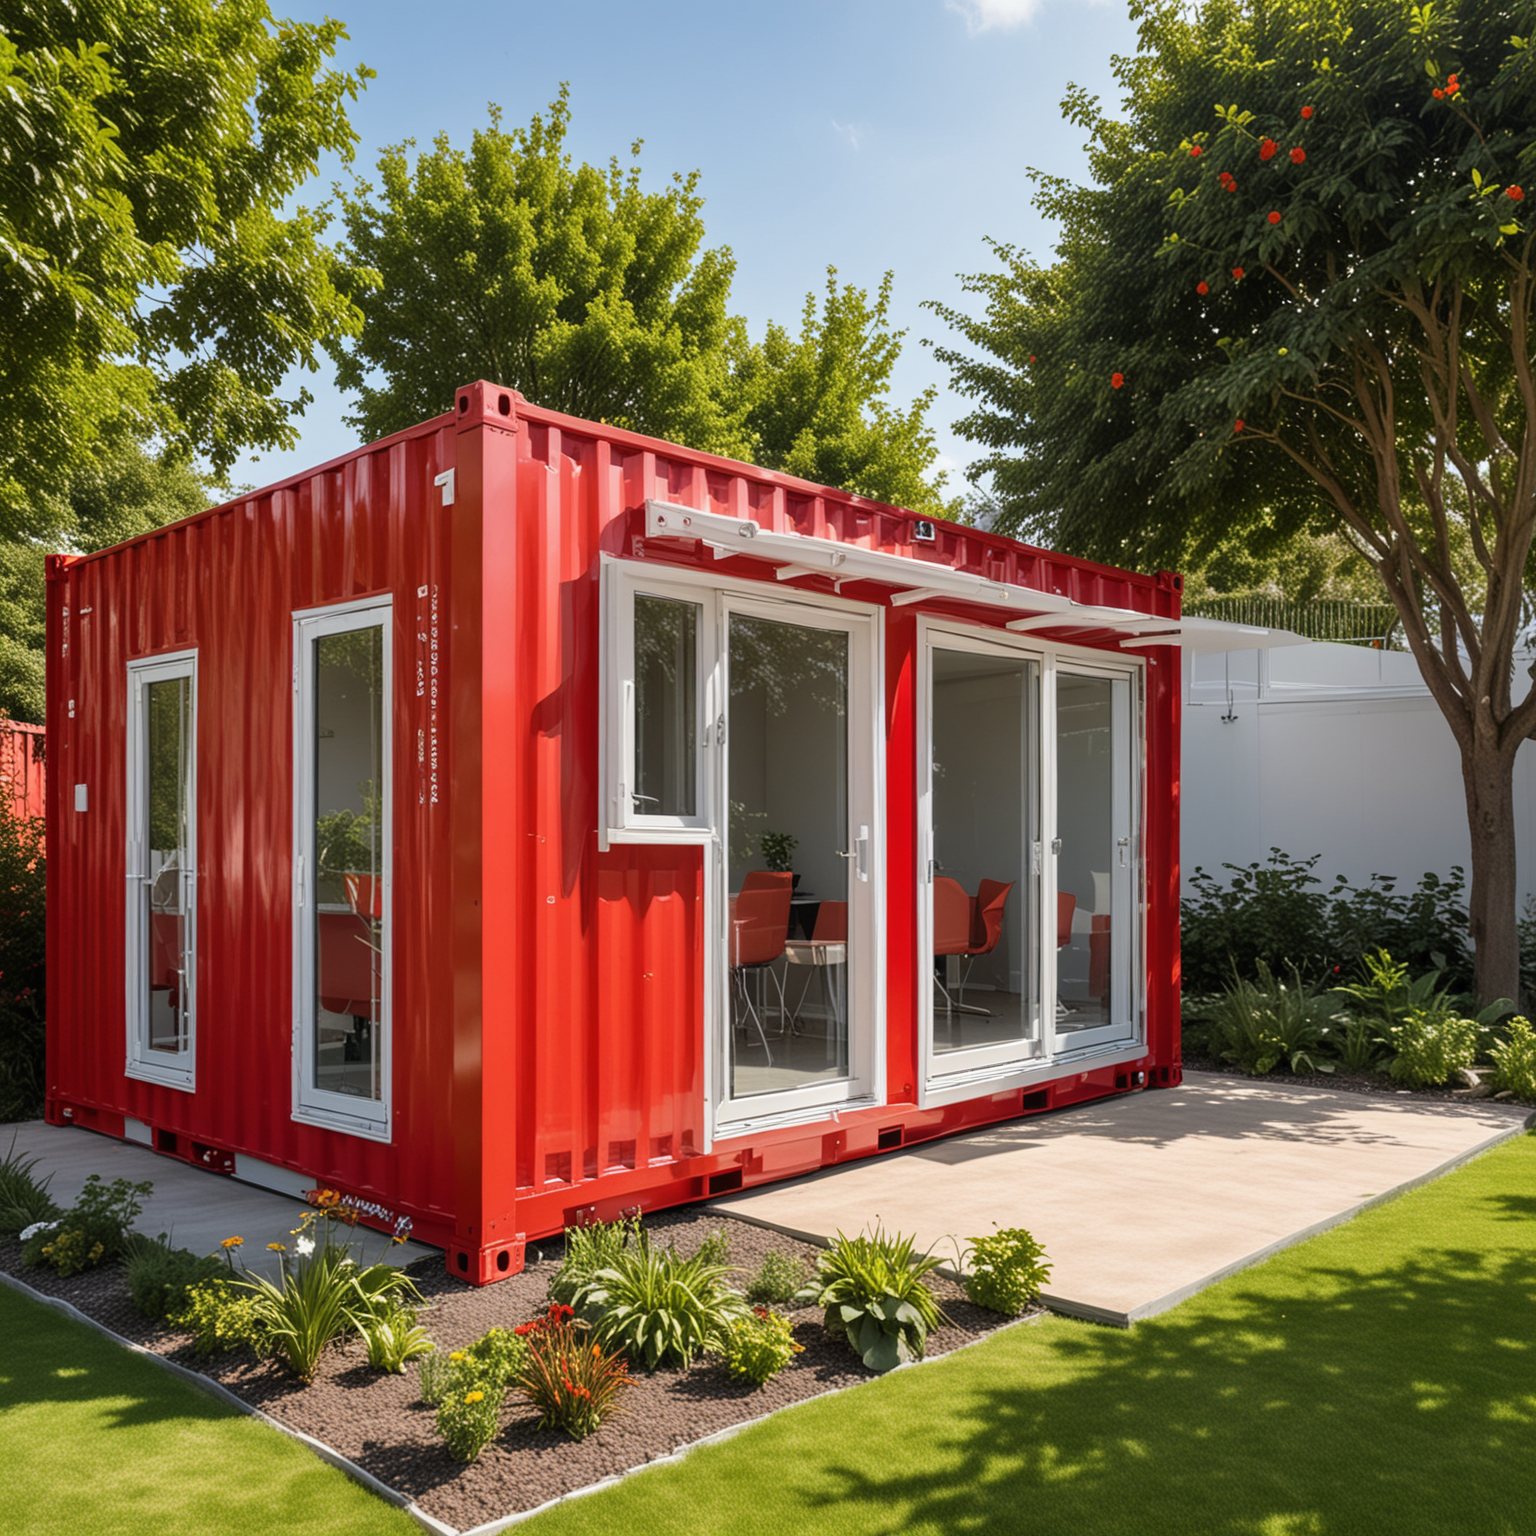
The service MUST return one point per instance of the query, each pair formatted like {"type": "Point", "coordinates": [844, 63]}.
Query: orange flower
{"type": "Point", "coordinates": [1274, 218]}
{"type": "Point", "coordinates": [1306, 112]}
{"type": "Point", "coordinates": [1514, 194]}
{"type": "Point", "coordinates": [1437, 93]}
{"type": "Point", "coordinates": [1298, 155]}
{"type": "Point", "coordinates": [1116, 380]}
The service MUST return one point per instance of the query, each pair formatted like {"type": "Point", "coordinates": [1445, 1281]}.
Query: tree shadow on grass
{"type": "Point", "coordinates": [1395, 1402]}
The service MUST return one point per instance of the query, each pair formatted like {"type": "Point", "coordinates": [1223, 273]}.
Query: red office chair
{"type": "Point", "coordinates": [1066, 905]}
{"type": "Point", "coordinates": [969, 926]}
{"type": "Point", "coordinates": [825, 950]}
{"type": "Point", "coordinates": [165, 975]}
{"type": "Point", "coordinates": [986, 929]}
{"type": "Point", "coordinates": [348, 966]}
{"type": "Point", "coordinates": [759, 931]}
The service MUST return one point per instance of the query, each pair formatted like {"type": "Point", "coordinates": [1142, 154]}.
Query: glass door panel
{"type": "Point", "coordinates": [984, 807]}
{"type": "Point", "coordinates": [1095, 860]}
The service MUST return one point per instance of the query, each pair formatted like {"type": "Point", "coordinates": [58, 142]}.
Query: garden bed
{"type": "Point", "coordinates": [381, 1423]}
{"type": "Point", "coordinates": [1339, 1082]}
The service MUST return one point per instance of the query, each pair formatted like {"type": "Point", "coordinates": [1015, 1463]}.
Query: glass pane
{"type": "Point", "coordinates": [168, 745]}
{"type": "Point", "coordinates": [1092, 870]}
{"type": "Point", "coordinates": [983, 820]}
{"type": "Point", "coordinates": [788, 834]}
{"type": "Point", "coordinates": [348, 879]}
{"type": "Point", "coordinates": [666, 709]}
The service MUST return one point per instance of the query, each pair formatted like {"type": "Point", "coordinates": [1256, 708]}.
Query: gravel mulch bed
{"type": "Point", "coordinates": [380, 1422]}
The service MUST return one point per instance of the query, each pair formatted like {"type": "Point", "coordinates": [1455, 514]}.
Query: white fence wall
{"type": "Point", "coordinates": [1330, 749]}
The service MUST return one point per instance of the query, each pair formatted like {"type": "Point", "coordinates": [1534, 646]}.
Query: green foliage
{"type": "Point", "coordinates": [778, 1278]}
{"type": "Point", "coordinates": [94, 1230]}
{"type": "Point", "coordinates": [1358, 1046]}
{"type": "Point", "coordinates": [574, 1382]}
{"type": "Point", "coordinates": [148, 279]}
{"type": "Point", "coordinates": [758, 1345]}
{"type": "Point", "coordinates": [716, 1246]}
{"type": "Point", "coordinates": [657, 1307]}
{"type": "Point", "coordinates": [588, 1249]}
{"type": "Point", "coordinates": [1514, 1061]}
{"type": "Point", "coordinates": [23, 963]}
{"type": "Point", "coordinates": [394, 1340]}
{"type": "Point", "coordinates": [221, 1315]}
{"type": "Point", "coordinates": [1277, 911]}
{"type": "Point", "coordinates": [1387, 997]}
{"type": "Point", "coordinates": [492, 1361]}
{"type": "Point", "coordinates": [24, 1198]}
{"type": "Point", "coordinates": [468, 1421]}
{"type": "Point", "coordinates": [1431, 1047]}
{"type": "Point", "coordinates": [1004, 1272]}
{"type": "Point", "coordinates": [1258, 1026]}
{"type": "Point", "coordinates": [778, 850]}
{"type": "Point", "coordinates": [159, 1276]}
{"type": "Point", "coordinates": [874, 1294]}
{"type": "Point", "coordinates": [1303, 309]}
{"type": "Point", "coordinates": [1527, 933]}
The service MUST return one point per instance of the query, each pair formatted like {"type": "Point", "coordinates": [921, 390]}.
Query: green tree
{"type": "Point", "coordinates": [1309, 309]}
{"type": "Point", "coordinates": [148, 281]}
{"type": "Point", "coordinates": [119, 491]}
{"type": "Point", "coordinates": [814, 405]}
{"type": "Point", "coordinates": [573, 285]}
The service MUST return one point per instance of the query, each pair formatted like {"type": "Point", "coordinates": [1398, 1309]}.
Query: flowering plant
{"type": "Point", "coordinates": [467, 1421]}
{"type": "Point", "coordinates": [572, 1380]}
{"type": "Point", "coordinates": [759, 1345]}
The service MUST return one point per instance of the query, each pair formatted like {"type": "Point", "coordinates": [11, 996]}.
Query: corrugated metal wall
{"type": "Point", "coordinates": [23, 767]}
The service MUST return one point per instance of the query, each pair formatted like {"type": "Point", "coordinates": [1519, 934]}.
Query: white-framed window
{"type": "Point", "coordinates": [342, 863]}
{"type": "Point", "coordinates": [161, 867]}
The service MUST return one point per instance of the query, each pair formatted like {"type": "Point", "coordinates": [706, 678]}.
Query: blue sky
{"type": "Point", "coordinates": [865, 134]}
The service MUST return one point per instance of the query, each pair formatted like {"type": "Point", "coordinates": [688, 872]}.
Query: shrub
{"type": "Point", "coordinates": [23, 965]}
{"type": "Point", "coordinates": [492, 1360]}
{"type": "Point", "coordinates": [1514, 1061]}
{"type": "Point", "coordinates": [1005, 1271]}
{"type": "Point", "coordinates": [1431, 1046]}
{"type": "Point", "coordinates": [779, 1278]}
{"type": "Point", "coordinates": [758, 1345]}
{"type": "Point", "coordinates": [1527, 932]}
{"type": "Point", "coordinates": [24, 1199]}
{"type": "Point", "coordinates": [220, 1315]}
{"type": "Point", "coordinates": [873, 1294]}
{"type": "Point", "coordinates": [568, 1376]}
{"type": "Point", "coordinates": [716, 1247]}
{"type": "Point", "coordinates": [588, 1249]}
{"type": "Point", "coordinates": [93, 1231]}
{"type": "Point", "coordinates": [160, 1276]}
{"type": "Point", "coordinates": [1258, 1026]}
{"type": "Point", "coordinates": [1359, 1046]}
{"type": "Point", "coordinates": [1387, 997]}
{"type": "Point", "coordinates": [395, 1339]}
{"type": "Point", "coordinates": [499, 1354]}
{"type": "Point", "coordinates": [468, 1420]}
{"type": "Point", "coordinates": [1277, 911]}
{"type": "Point", "coordinates": [656, 1306]}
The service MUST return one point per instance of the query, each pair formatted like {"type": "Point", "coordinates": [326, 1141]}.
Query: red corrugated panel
{"type": "Point", "coordinates": [23, 767]}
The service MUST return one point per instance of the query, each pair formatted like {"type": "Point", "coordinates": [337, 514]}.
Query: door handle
{"type": "Point", "coordinates": [1124, 845]}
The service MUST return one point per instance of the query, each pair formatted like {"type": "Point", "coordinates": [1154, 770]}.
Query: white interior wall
{"type": "Point", "coordinates": [1336, 750]}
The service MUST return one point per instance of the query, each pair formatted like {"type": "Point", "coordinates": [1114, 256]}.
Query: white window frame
{"type": "Point", "coordinates": [169, 1069]}
{"type": "Point", "coordinates": [1107, 1045]}
{"type": "Point", "coordinates": [371, 1118]}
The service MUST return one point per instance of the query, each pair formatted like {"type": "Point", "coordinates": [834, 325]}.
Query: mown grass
{"type": "Point", "coordinates": [94, 1438]}
{"type": "Point", "coordinates": [1378, 1379]}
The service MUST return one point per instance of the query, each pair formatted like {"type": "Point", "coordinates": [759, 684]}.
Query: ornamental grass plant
{"type": "Point", "coordinates": [572, 1380]}
{"type": "Point", "coordinates": [24, 1198]}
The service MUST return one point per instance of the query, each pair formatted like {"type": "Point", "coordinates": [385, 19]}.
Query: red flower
{"type": "Point", "coordinates": [1274, 217]}
{"type": "Point", "coordinates": [1451, 83]}
{"type": "Point", "coordinates": [1267, 149]}
{"type": "Point", "coordinates": [1239, 426]}
{"type": "Point", "coordinates": [1202, 287]}
{"type": "Point", "coordinates": [1514, 194]}
{"type": "Point", "coordinates": [1116, 380]}
{"type": "Point", "coordinates": [1031, 357]}
{"type": "Point", "coordinates": [1196, 152]}
{"type": "Point", "coordinates": [1306, 112]}
{"type": "Point", "coordinates": [1298, 155]}
{"type": "Point", "coordinates": [1237, 274]}
{"type": "Point", "coordinates": [1437, 93]}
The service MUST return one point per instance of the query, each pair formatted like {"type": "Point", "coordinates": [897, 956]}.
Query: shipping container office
{"type": "Point", "coordinates": [519, 819]}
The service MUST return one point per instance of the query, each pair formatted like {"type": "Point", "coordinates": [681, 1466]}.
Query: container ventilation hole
{"type": "Point", "coordinates": [504, 404]}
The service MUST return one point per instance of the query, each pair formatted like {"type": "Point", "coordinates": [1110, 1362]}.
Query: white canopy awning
{"type": "Point", "coordinates": [916, 581]}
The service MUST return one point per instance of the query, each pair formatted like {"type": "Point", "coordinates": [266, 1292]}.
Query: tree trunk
{"type": "Point", "coordinates": [1489, 777]}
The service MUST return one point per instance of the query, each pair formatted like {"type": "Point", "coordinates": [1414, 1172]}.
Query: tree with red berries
{"type": "Point", "coordinates": [1375, 342]}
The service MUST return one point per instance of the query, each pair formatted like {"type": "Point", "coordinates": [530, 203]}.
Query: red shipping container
{"type": "Point", "coordinates": [519, 820]}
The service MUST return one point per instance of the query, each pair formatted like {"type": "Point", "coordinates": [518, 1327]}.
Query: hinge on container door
{"type": "Point", "coordinates": [1036, 860]}
{"type": "Point", "coordinates": [445, 482]}
{"type": "Point", "coordinates": [299, 866]}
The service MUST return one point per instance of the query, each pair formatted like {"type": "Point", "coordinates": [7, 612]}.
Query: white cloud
{"type": "Point", "coordinates": [984, 15]}
{"type": "Point", "coordinates": [850, 131]}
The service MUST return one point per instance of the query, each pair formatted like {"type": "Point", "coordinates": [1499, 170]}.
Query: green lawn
{"type": "Point", "coordinates": [1376, 1379]}
{"type": "Point", "coordinates": [93, 1438]}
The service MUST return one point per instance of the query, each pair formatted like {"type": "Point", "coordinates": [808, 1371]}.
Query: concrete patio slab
{"type": "Point", "coordinates": [1143, 1200]}
{"type": "Point", "coordinates": [198, 1208]}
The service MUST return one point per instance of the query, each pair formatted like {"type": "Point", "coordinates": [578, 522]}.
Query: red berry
{"type": "Point", "coordinates": [1274, 218]}
{"type": "Point", "coordinates": [1306, 112]}
{"type": "Point", "coordinates": [1298, 155]}
{"type": "Point", "coordinates": [1514, 194]}
{"type": "Point", "coordinates": [1202, 287]}
{"type": "Point", "coordinates": [1267, 149]}
{"type": "Point", "coordinates": [1116, 380]}
{"type": "Point", "coordinates": [1237, 273]}
{"type": "Point", "coordinates": [1196, 152]}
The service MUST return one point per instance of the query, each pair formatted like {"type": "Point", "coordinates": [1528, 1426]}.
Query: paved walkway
{"type": "Point", "coordinates": [199, 1209]}
{"type": "Point", "coordinates": [1145, 1199]}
